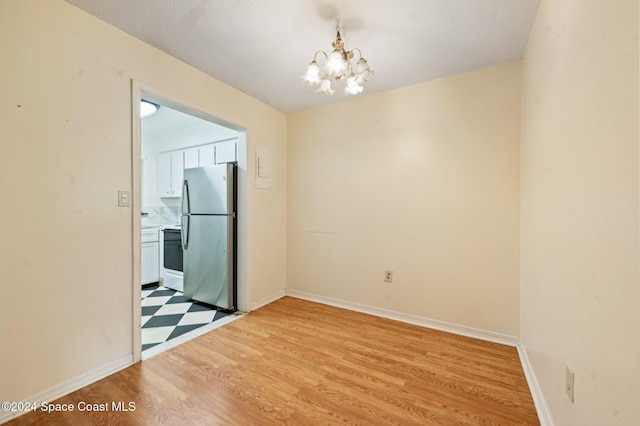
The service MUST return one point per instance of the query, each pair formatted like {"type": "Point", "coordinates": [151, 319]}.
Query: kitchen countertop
{"type": "Point", "coordinates": [161, 226]}
{"type": "Point", "coordinates": [176, 226]}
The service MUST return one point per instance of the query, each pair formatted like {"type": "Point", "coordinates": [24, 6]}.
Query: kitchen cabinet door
{"type": "Point", "coordinates": [207, 155]}
{"type": "Point", "coordinates": [191, 158]}
{"type": "Point", "coordinates": [164, 174]}
{"type": "Point", "coordinates": [177, 172]}
{"type": "Point", "coordinates": [170, 172]}
{"type": "Point", "coordinates": [150, 262]}
{"type": "Point", "coordinates": [226, 152]}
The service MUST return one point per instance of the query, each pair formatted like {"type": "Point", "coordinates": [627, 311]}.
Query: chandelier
{"type": "Point", "coordinates": [336, 67]}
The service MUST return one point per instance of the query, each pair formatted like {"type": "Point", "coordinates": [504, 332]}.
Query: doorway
{"type": "Point", "coordinates": [174, 138]}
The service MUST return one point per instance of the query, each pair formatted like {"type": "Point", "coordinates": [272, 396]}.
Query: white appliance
{"type": "Point", "coordinates": [172, 257]}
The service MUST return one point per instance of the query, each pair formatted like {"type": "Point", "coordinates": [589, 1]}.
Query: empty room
{"type": "Point", "coordinates": [335, 212]}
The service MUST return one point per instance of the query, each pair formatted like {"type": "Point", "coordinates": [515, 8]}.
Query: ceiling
{"type": "Point", "coordinates": [263, 47]}
{"type": "Point", "coordinates": [167, 119]}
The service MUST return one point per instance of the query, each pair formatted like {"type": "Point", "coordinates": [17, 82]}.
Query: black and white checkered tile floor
{"type": "Point", "coordinates": [168, 315]}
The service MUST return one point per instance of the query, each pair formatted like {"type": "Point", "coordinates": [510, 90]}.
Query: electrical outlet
{"type": "Point", "coordinates": [388, 276]}
{"type": "Point", "coordinates": [570, 381]}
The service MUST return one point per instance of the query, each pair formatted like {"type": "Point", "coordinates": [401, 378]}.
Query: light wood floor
{"type": "Point", "coordinates": [301, 363]}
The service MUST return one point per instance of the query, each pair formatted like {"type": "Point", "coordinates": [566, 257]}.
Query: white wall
{"type": "Point", "coordinates": [65, 151]}
{"type": "Point", "coordinates": [579, 271]}
{"type": "Point", "coordinates": [422, 180]}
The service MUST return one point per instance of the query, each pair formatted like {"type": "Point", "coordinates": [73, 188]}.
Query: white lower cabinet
{"type": "Point", "coordinates": [150, 256]}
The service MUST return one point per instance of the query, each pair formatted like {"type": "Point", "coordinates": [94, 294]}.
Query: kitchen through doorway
{"type": "Point", "coordinates": [174, 139]}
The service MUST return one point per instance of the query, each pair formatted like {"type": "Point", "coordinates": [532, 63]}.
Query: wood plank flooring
{"type": "Point", "coordinates": [302, 363]}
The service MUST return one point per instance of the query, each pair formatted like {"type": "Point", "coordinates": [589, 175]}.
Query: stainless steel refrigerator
{"type": "Point", "coordinates": [208, 234]}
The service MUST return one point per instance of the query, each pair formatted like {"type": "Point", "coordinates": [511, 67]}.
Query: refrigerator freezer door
{"type": "Point", "coordinates": [208, 260]}
{"type": "Point", "coordinates": [208, 190]}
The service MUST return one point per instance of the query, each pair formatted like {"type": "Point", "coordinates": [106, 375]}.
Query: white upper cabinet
{"type": "Point", "coordinates": [226, 152]}
{"type": "Point", "coordinates": [191, 158]}
{"type": "Point", "coordinates": [164, 174]}
{"type": "Point", "coordinates": [170, 173]}
{"type": "Point", "coordinates": [207, 155]}
{"type": "Point", "coordinates": [177, 173]}
{"type": "Point", "coordinates": [171, 164]}
{"type": "Point", "coordinates": [218, 153]}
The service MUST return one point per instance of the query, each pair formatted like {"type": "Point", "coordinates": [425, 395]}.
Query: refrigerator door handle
{"type": "Point", "coordinates": [184, 218]}
{"type": "Point", "coordinates": [184, 234]}
{"type": "Point", "coordinates": [185, 198]}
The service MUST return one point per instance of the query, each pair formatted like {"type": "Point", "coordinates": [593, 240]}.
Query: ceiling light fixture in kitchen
{"type": "Point", "coordinates": [338, 66]}
{"type": "Point", "coordinates": [148, 108]}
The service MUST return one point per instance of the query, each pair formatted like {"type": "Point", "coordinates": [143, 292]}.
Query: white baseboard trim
{"type": "Point", "coordinates": [534, 387]}
{"type": "Point", "coordinates": [266, 300]}
{"type": "Point", "coordinates": [71, 385]}
{"type": "Point", "coordinates": [410, 319]}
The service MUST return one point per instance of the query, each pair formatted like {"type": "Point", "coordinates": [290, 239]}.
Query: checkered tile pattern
{"type": "Point", "coordinates": [167, 314]}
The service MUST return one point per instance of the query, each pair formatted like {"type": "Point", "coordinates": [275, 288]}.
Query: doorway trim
{"type": "Point", "coordinates": [138, 92]}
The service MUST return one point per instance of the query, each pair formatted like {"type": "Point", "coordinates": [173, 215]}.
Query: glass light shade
{"type": "Point", "coordinates": [313, 74]}
{"type": "Point", "coordinates": [336, 65]}
{"type": "Point", "coordinates": [325, 87]}
{"type": "Point", "coordinates": [147, 108]}
{"type": "Point", "coordinates": [353, 88]}
{"type": "Point", "coordinates": [363, 71]}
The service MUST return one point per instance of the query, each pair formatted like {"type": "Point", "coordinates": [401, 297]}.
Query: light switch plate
{"type": "Point", "coordinates": [124, 198]}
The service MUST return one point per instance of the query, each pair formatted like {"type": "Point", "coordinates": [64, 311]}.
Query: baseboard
{"type": "Point", "coordinates": [266, 300]}
{"type": "Point", "coordinates": [410, 319]}
{"type": "Point", "coordinates": [71, 385]}
{"type": "Point", "coordinates": [534, 387]}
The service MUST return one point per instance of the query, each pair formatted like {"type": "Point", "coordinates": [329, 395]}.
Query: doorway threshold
{"type": "Point", "coordinates": [170, 319]}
